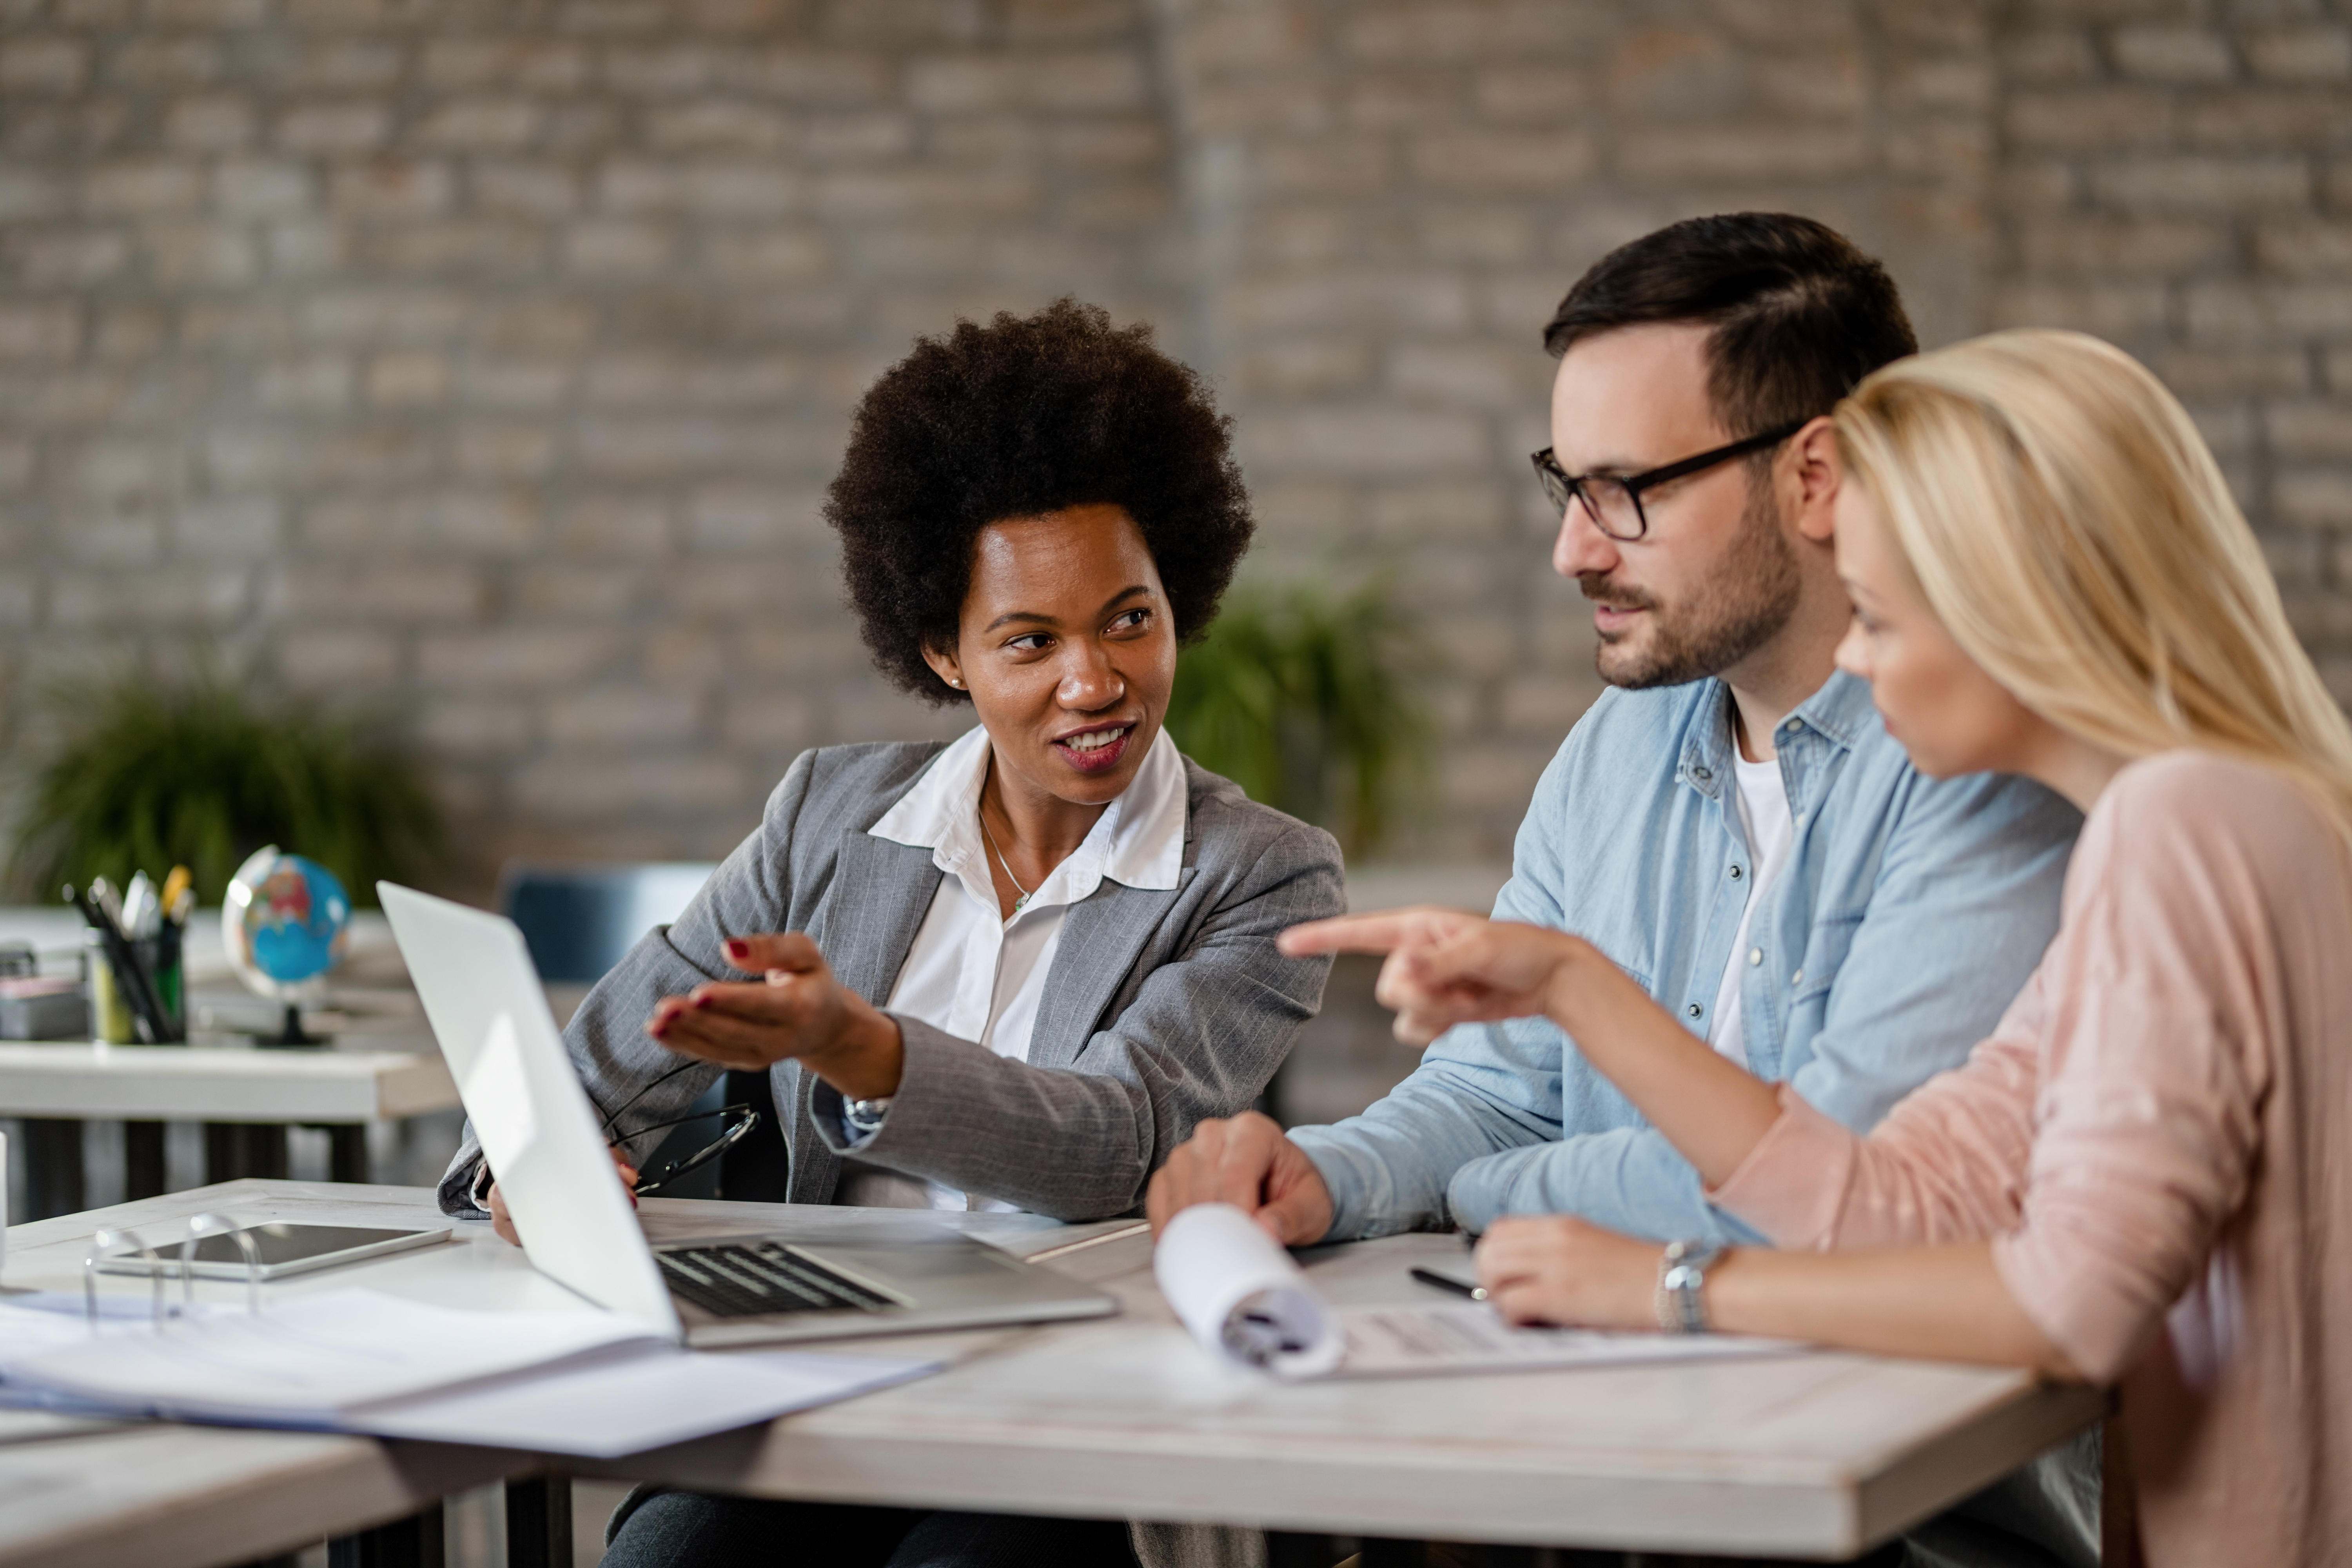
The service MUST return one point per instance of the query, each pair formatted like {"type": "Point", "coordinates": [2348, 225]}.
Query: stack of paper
{"type": "Point", "coordinates": [356, 1359]}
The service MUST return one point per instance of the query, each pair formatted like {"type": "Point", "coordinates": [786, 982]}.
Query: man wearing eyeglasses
{"type": "Point", "coordinates": [1730, 823]}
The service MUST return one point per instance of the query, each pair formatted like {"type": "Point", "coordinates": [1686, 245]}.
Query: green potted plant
{"type": "Point", "coordinates": [145, 776]}
{"type": "Point", "coordinates": [1311, 702]}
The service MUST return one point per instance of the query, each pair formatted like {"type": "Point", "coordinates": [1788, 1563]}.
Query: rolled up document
{"type": "Point", "coordinates": [1239, 1294]}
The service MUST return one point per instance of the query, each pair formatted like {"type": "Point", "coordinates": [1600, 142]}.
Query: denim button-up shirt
{"type": "Point", "coordinates": [1909, 913]}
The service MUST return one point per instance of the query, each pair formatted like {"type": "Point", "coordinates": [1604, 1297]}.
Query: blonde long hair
{"type": "Point", "coordinates": [2063, 519]}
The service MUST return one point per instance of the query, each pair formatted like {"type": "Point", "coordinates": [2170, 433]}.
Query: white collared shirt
{"type": "Point", "coordinates": [977, 976]}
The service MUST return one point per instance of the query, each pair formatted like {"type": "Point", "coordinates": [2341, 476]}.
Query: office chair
{"type": "Point", "coordinates": [579, 920]}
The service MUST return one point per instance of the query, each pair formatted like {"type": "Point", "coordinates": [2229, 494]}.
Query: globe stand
{"type": "Point", "coordinates": [291, 1036]}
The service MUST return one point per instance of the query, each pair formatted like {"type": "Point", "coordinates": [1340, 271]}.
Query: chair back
{"type": "Point", "coordinates": [581, 920]}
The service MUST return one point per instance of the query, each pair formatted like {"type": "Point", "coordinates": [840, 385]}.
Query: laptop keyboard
{"type": "Point", "coordinates": [741, 1281]}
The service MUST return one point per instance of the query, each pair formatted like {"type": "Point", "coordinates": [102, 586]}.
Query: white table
{"type": "Point", "coordinates": [381, 1064]}
{"type": "Point", "coordinates": [1812, 1454]}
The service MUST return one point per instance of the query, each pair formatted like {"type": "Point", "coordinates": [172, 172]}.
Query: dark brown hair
{"type": "Point", "coordinates": [1799, 314]}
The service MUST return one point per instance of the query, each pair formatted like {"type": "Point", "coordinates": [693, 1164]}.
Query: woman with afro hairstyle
{"type": "Point", "coordinates": [1010, 971]}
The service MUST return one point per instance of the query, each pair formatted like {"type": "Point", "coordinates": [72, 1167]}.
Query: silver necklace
{"type": "Point", "coordinates": [1023, 901]}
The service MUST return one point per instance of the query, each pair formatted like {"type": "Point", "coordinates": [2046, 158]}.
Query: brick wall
{"type": "Point", "coordinates": [2177, 177]}
{"type": "Point", "coordinates": [484, 361]}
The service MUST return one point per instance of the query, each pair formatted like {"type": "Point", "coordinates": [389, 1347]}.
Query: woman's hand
{"type": "Point", "coordinates": [796, 1008]}
{"type": "Point", "coordinates": [503, 1223]}
{"type": "Point", "coordinates": [1448, 966]}
{"type": "Point", "coordinates": [1553, 1269]}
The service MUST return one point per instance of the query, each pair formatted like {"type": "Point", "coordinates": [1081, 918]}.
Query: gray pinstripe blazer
{"type": "Point", "coordinates": [1162, 1007]}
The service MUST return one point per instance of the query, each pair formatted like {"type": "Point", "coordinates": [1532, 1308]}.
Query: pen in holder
{"type": "Point", "coordinates": [106, 1243]}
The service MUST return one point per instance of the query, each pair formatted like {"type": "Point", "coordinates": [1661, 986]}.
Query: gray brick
{"type": "Point", "coordinates": [25, 192]}
{"type": "Point", "coordinates": [1077, 80]}
{"type": "Point", "coordinates": [199, 255]}
{"type": "Point", "coordinates": [491, 124]}
{"type": "Point", "coordinates": [2305, 250]}
{"type": "Point", "coordinates": [505, 451]}
{"type": "Point", "coordinates": [142, 188]}
{"type": "Point", "coordinates": [38, 332]}
{"type": "Point", "coordinates": [624, 717]}
{"type": "Point", "coordinates": [2074, 118]}
{"type": "Point", "coordinates": [616, 250]}
{"type": "Point", "coordinates": [2245, 313]}
{"type": "Point", "coordinates": [2310, 429]}
{"type": "Point", "coordinates": [337, 662]}
{"type": "Point", "coordinates": [334, 128]}
{"type": "Point", "coordinates": [2318, 51]}
{"type": "Point", "coordinates": [257, 188]}
{"type": "Point", "coordinates": [2173, 52]}
{"type": "Point", "coordinates": [39, 65]}
{"type": "Point", "coordinates": [1743, 152]}
{"type": "Point", "coordinates": [313, 383]}
{"type": "Point", "coordinates": [2268, 119]}
{"type": "Point", "coordinates": [178, 598]}
{"type": "Point", "coordinates": [390, 188]}
{"type": "Point", "coordinates": [1543, 162]}
{"type": "Point", "coordinates": [163, 62]}
{"type": "Point", "coordinates": [571, 589]}
{"type": "Point", "coordinates": [240, 527]}
{"type": "Point", "coordinates": [671, 72]}
{"type": "Point", "coordinates": [512, 657]}
{"type": "Point", "coordinates": [1467, 376]}
{"type": "Point", "coordinates": [1366, 440]}
{"type": "Point", "coordinates": [2251, 185]}
{"type": "Point", "coordinates": [69, 257]}
{"type": "Point", "coordinates": [2313, 497]}
{"type": "Point", "coordinates": [590, 787]}
{"type": "Point", "coordinates": [330, 62]}
{"type": "Point", "coordinates": [215, 124]}
{"type": "Point", "coordinates": [717, 126]}
{"type": "Point", "coordinates": [2048, 55]}
{"type": "Point", "coordinates": [538, 64]}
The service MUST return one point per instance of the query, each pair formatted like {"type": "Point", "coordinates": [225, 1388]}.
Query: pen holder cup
{"type": "Point", "coordinates": [111, 1019]}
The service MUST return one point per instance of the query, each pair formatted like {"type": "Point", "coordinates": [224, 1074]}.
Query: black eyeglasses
{"type": "Point", "coordinates": [730, 1134]}
{"type": "Point", "coordinates": [1614, 504]}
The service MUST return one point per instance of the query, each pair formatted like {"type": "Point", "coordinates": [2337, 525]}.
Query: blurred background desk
{"type": "Point", "coordinates": [101, 1123]}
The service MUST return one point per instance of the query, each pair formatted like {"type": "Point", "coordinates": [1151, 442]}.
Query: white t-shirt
{"type": "Point", "coordinates": [978, 977]}
{"type": "Point", "coordinates": [1771, 835]}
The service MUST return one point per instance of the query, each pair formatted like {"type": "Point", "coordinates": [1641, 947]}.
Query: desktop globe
{"type": "Point", "coordinates": [285, 924]}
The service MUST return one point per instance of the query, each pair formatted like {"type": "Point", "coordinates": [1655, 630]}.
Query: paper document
{"type": "Point", "coordinates": [356, 1359]}
{"type": "Point", "coordinates": [603, 1411]}
{"type": "Point", "coordinates": [1244, 1298]}
{"type": "Point", "coordinates": [1466, 1336]}
{"type": "Point", "coordinates": [310, 1357]}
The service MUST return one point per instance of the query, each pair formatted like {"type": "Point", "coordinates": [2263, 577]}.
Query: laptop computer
{"type": "Point", "coordinates": [844, 1271]}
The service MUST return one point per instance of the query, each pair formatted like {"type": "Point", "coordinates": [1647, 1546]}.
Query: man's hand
{"type": "Point", "coordinates": [503, 1223]}
{"type": "Point", "coordinates": [1446, 966]}
{"type": "Point", "coordinates": [1245, 1162]}
{"type": "Point", "coordinates": [795, 1009]}
{"type": "Point", "coordinates": [1554, 1268]}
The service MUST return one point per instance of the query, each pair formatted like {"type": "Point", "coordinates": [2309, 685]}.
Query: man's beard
{"type": "Point", "coordinates": [1742, 605]}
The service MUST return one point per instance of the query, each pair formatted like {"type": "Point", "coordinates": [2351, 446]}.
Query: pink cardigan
{"type": "Point", "coordinates": [2159, 1138]}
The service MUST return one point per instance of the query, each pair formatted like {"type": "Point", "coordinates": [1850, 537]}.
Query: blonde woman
{"type": "Point", "coordinates": [2139, 1179]}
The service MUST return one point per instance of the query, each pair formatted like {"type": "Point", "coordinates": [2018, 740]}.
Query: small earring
{"type": "Point", "coordinates": [954, 682]}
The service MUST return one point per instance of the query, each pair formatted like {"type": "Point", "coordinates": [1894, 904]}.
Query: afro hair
{"type": "Point", "coordinates": [1025, 416]}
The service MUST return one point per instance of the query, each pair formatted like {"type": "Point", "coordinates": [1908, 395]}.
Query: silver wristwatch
{"type": "Point", "coordinates": [1681, 1276]}
{"type": "Point", "coordinates": [865, 1115]}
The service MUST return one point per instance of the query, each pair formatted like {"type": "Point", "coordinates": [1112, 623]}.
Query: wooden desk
{"type": "Point", "coordinates": [1812, 1455]}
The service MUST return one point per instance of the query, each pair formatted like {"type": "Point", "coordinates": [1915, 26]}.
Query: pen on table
{"type": "Point", "coordinates": [1447, 1282]}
